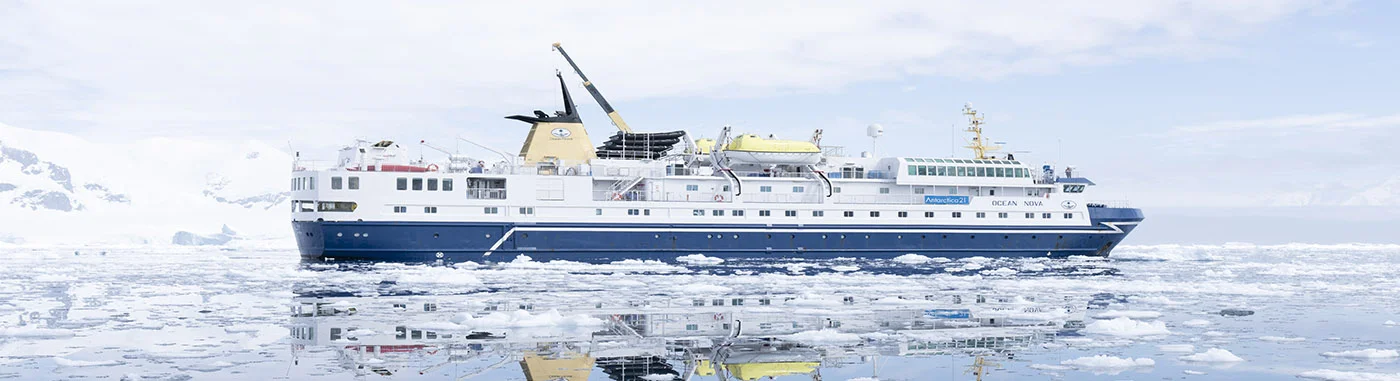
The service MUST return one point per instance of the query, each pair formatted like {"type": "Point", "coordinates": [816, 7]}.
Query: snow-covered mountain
{"type": "Point", "coordinates": [1383, 193]}
{"type": "Point", "coordinates": [60, 188]}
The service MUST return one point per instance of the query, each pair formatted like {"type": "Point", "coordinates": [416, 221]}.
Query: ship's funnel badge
{"type": "Point", "coordinates": [1068, 204]}
{"type": "Point", "coordinates": [562, 133]}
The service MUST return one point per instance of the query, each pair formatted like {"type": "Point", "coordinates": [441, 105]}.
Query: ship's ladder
{"type": "Point", "coordinates": [621, 187]}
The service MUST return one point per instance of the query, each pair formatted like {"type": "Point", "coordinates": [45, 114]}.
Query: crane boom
{"type": "Point", "coordinates": [607, 108]}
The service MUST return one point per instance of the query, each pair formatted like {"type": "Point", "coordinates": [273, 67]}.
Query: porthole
{"type": "Point", "coordinates": [843, 236]}
{"type": "Point", "coordinates": [770, 236]}
{"type": "Point", "coordinates": [435, 235]}
{"type": "Point", "coordinates": [339, 234]}
{"type": "Point", "coordinates": [657, 236]}
{"type": "Point", "coordinates": [488, 236]}
{"type": "Point", "coordinates": [945, 236]}
{"type": "Point", "coordinates": [1032, 237]}
{"type": "Point", "coordinates": [524, 235]}
{"type": "Point", "coordinates": [1006, 237]}
{"type": "Point", "coordinates": [357, 234]}
{"type": "Point", "coordinates": [1062, 237]}
{"type": "Point", "coordinates": [823, 236]}
{"type": "Point", "coordinates": [364, 235]}
{"type": "Point", "coordinates": [708, 236]}
{"type": "Point", "coordinates": [923, 236]}
{"type": "Point", "coordinates": [867, 236]}
{"type": "Point", "coordinates": [899, 237]}
{"type": "Point", "coordinates": [736, 236]}
{"type": "Point", "coordinates": [972, 237]}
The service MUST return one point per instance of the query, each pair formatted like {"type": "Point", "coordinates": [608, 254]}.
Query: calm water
{"type": "Point", "coordinates": [1150, 313]}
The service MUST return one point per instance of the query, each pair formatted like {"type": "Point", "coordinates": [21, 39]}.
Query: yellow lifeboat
{"type": "Point", "coordinates": [750, 148]}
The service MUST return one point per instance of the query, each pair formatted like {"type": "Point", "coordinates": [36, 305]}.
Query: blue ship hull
{"type": "Point", "coordinates": [475, 241]}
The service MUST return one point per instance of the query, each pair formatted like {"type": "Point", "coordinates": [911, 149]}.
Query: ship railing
{"type": "Point", "coordinates": [610, 195]}
{"type": "Point", "coordinates": [894, 199]}
{"type": "Point", "coordinates": [798, 198]}
{"type": "Point", "coordinates": [780, 174]}
{"type": "Point", "coordinates": [1109, 204]}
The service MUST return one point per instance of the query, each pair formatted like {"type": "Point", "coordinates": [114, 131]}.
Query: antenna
{"type": "Point", "coordinates": [974, 125]}
{"type": "Point", "coordinates": [875, 131]}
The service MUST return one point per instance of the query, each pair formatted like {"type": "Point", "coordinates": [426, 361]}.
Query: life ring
{"type": "Point", "coordinates": [719, 198]}
{"type": "Point", "coordinates": [617, 196]}
{"type": "Point", "coordinates": [719, 317]}
{"type": "Point", "coordinates": [432, 167]}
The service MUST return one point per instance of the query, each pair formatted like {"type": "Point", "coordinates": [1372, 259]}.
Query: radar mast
{"type": "Point", "coordinates": [979, 145]}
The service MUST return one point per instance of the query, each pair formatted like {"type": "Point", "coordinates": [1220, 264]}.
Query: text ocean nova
{"type": "Point", "coordinates": [664, 195]}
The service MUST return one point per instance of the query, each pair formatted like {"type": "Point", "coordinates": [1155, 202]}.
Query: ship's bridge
{"type": "Point", "coordinates": [950, 171]}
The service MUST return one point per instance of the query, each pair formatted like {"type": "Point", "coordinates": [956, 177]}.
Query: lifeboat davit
{"type": "Point", "coordinates": [749, 148]}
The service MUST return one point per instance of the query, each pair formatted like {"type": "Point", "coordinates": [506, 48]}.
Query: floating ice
{"type": "Point", "coordinates": [1337, 375]}
{"type": "Point", "coordinates": [1136, 315]}
{"type": "Point", "coordinates": [699, 259]}
{"type": "Point", "coordinates": [1183, 348]}
{"type": "Point", "coordinates": [1390, 323]}
{"type": "Point", "coordinates": [1049, 367]}
{"type": "Point", "coordinates": [912, 259]}
{"type": "Point", "coordinates": [1193, 372]}
{"type": "Point", "coordinates": [1368, 353]}
{"type": "Point", "coordinates": [1282, 339]}
{"type": "Point", "coordinates": [34, 333]}
{"type": "Point", "coordinates": [523, 319]}
{"type": "Point", "coordinates": [1125, 327]}
{"type": "Point", "coordinates": [658, 377]}
{"type": "Point", "coordinates": [1106, 361]}
{"type": "Point", "coordinates": [845, 268]}
{"type": "Point", "coordinates": [1001, 271]}
{"type": "Point", "coordinates": [80, 363]}
{"type": "Point", "coordinates": [1213, 355]}
{"type": "Point", "coordinates": [823, 336]}
{"type": "Point", "coordinates": [1196, 323]}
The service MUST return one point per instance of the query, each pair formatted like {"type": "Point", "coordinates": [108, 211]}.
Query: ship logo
{"type": "Point", "coordinates": [562, 133]}
{"type": "Point", "coordinates": [1068, 204]}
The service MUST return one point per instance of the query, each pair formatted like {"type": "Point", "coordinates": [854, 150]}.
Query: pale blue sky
{"type": "Point", "coordinates": [1164, 102]}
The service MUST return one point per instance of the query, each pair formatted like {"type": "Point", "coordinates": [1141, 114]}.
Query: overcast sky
{"type": "Point", "coordinates": [1163, 102]}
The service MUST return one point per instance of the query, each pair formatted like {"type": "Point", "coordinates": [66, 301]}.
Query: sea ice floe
{"type": "Point", "coordinates": [1125, 327]}
{"type": "Point", "coordinates": [1368, 353]}
{"type": "Point", "coordinates": [1213, 355]}
{"type": "Point", "coordinates": [1001, 271]}
{"type": "Point", "coordinates": [699, 259]}
{"type": "Point", "coordinates": [34, 333]}
{"type": "Point", "coordinates": [1390, 323]}
{"type": "Point", "coordinates": [80, 363]}
{"type": "Point", "coordinates": [912, 259]}
{"type": "Point", "coordinates": [1337, 375]}
{"type": "Point", "coordinates": [823, 336]}
{"type": "Point", "coordinates": [1136, 315]}
{"type": "Point", "coordinates": [1196, 323]}
{"type": "Point", "coordinates": [1193, 372]}
{"type": "Point", "coordinates": [1282, 339]}
{"type": "Point", "coordinates": [524, 319]}
{"type": "Point", "coordinates": [1106, 361]}
{"type": "Point", "coordinates": [845, 268]}
{"type": "Point", "coordinates": [1049, 367]}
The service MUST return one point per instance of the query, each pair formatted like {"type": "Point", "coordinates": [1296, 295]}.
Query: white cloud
{"type": "Point", "coordinates": [170, 66]}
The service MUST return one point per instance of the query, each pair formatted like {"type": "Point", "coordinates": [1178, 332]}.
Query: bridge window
{"type": "Point", "coordinates": [1074, 188]}
{"type": "Point", "coordinates": [432, 184]}
{"type": "Point", "coordinates": [335, 182]}
{"type": "Point", "coordinates": [962, 171]}
{"type": "Point", "coordinates": [446, 185]}
{"type": "Point", "coordinates": [765, 188]}
{"type": "Point", "coordinates": [403, 183]}
{"type": "Point", "coordinates": [417, 184]}
{"type": "Point", "coordinates": [354, 182]}
{"type": "Point", "coordinates": [981, 172]}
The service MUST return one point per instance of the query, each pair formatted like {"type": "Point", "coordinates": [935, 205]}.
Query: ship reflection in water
{"type": "Point", "coordinates": [724, 337]}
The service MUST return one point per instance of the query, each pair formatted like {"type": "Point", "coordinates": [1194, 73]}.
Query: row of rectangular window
{"type": "Point", "coordinates": [960, 161]}
{"type": "Point", "coordinates": [303, 183]}
{"type": "Point", "coordinates": [432, 184]}
{"type": "Point", "coordinates": [937, 170]}
{"type": "Point", "coordinates": [353, 183]}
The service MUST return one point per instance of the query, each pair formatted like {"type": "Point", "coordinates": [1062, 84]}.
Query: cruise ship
{"type": "Point", "coordinates": [661, 195]}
